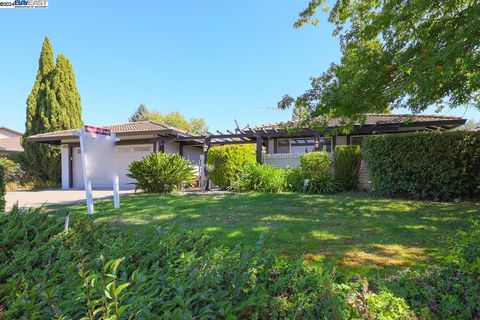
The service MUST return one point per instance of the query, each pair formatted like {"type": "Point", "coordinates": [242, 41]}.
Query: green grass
{"type": "Point", "coordinates": [357, 233]}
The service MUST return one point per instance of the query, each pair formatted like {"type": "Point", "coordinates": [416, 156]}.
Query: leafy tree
{"type": "Point", "coordinates": [53, 104]}
{"type": "Point", "coordinates": [141, 114]}
{"type": "Point", "coordinates": [174, 119]}
{"type": "Point", "coordinates": [396, 53]}
{"type": "Point", "coordinates": [199, 126]}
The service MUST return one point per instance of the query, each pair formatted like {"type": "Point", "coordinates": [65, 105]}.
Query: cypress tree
{"type": "Point", "coordinates": [141, 114]}
{"type": "Point", "coordinates": [54, 104]}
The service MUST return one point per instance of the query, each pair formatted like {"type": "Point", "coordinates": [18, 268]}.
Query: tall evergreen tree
{"type": "Point", "coordinates": [141, 114]}
{"type": "Point", "coordinates": [54, 104]}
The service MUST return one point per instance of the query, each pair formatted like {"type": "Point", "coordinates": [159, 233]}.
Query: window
{"type": "Point", "coordinates": [326, 144]}
{"type": "Point", "coordinates": [283, 146]}
{"type": "Point", "coordinates": [357, 141]}
{"type": "Point", "coordinates": [140, 149]}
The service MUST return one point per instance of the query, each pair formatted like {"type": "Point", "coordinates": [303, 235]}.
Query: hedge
{"type": "Point", "coordinates": [225, 163]}
{"type": "Point", "coordinates": [347, 165]}
{"type": "Point", "coordinates": [315, 163]}
{"type": "Point", "coordinates": [3, 183]}
{"type": "Point", "coordinates": [439, 165]}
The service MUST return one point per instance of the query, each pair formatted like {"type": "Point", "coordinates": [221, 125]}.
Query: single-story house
{"type": "Point", "coordinates": [10, 141]}
{"type": "Point", "coordinates": [274, 144]}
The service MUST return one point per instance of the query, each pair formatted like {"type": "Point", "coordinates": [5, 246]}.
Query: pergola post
{"type": "Point", "coordinates": [316, 138]}
{"type": "Point", "coordinates": [206, 147]}
{"type": "Point", "coordinates": [259, 149]}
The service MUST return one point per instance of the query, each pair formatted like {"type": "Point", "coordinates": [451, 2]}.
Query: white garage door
{"type": "Point", "coordinates": [125, 155]}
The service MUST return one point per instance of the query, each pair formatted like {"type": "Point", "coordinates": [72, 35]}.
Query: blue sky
{"type": "Point", "coordinates": [221, 60]}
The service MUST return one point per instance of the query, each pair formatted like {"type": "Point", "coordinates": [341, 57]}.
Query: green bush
{"type": "Point", "coordinates": [321, 184]}
{"type": "Point", "coordinates": [439, 165]}
{"type": "Point", "coordinates": [96, 272]}
{"type": "Point", "coordinates": [347, 165]}
{"type": "Point", "coordinates": [13, 171]}
{"type": "Point", "coordinates": [465, 249]}
{"type": "Point", "coordinates": [161, 172]}
{"type": "Point", "coordinates": [295, 180]}
{"type": "Point", "coordinates": [261, 178]}
{"type": "Point", "coordinates": [225, 163]}
{"type": "Point", "coordinates": [3, 190]}
{"type": "Point", "coordinates": [315, 163]}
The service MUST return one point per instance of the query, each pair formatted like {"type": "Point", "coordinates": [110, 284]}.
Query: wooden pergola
{"type": "Point", "coordinates": [306, 137]}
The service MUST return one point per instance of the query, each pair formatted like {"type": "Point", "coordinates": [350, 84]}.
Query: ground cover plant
{"type": "Point", "coordinates": [95, 271]}
{"type": "Point", "coordinates": [355, 232]}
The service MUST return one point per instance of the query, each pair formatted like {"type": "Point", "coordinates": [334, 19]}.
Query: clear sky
{"type": "Point", "coordinates": [220, 60]}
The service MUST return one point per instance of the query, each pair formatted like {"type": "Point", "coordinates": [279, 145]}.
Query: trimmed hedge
{"type": "Point", "coordinates": [225, 163]}
{"type": "Point", "coordinates": [3, 183]}
{"type": "Point", "coordinates": [315, 163]}
{"type": "Point", "coordinates": [439, 165]}
{"type": "Point", "coordinates": [347, 165]}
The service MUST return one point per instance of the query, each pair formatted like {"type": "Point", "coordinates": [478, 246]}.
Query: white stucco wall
{"type": "Point", "coordinates": [282, 160]}
{"type": "Point", "coordinates": [65, 171]}
{"type": "Point", "coordinates": [192, 153]}
{"type": "Point", "coordinates": [271, 146]}
{"type": "Point", "coordinates": [172, 147]}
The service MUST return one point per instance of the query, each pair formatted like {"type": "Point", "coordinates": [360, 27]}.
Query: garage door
{"type": "Point", "coordinates": [125, 155]}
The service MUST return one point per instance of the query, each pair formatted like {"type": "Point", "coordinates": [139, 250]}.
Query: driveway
{"type": "Point", "coordinates": [39, 198]}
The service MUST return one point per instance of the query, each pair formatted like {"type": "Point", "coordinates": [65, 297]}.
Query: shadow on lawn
{"type": "Point", "coordinates": [358, 232]}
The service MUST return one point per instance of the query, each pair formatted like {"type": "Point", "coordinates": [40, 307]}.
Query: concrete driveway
{"type": "Point", "coordinates": [39, 198]}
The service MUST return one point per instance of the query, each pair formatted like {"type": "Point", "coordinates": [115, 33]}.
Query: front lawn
{"type": "Point", "coordinates": [356, 232]}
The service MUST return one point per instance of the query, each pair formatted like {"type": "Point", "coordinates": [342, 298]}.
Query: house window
{"type": "Point", "coordinates": [141, 149]}
{"type": "Point", "coordinates": [283, 146]}
{"type": "Point", "coordinates": [357, 141]}
{"type": "Point", "coordinates": [326, 144]}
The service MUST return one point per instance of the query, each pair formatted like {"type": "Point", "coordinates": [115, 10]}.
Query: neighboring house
{"type": "Point", "coordinates": [477, 128]}
{"type": "Point", "coordinates": [10, 141]}
{"type": "Point", "coordinates": [274, 144]}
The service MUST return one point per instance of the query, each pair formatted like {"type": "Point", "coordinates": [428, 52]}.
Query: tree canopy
{"type": "Point", "coordinates": [396, 53]}
{"type": "Point", "coordinates": [53, 104]}
{"type": "Point", "coordinates": [175, 119]}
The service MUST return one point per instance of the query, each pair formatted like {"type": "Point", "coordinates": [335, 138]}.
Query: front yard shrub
{"type": "Point", "coordinates": [320, 184]}
{"type": "Point", "coordinates": [3, 184]}
{"type": "Point", "coordinates": [261, 178]}
{"type": "Point", "coordinates": [465, 250]}
{"type": "Point", "coordinates": [225, 163]}
{"type": "Point", "coordinates": [347, 165]}
{"type": "Point", "coordinates": [439, 165]}
{"type": "Point", "coordinates": [13, 170]}
{"type": "Point", "coordinates": [161, 172]}
{"type": "Point", "coordinates": [95, 272]}
{"type": "Point", "coordinates": [315, 163]}
{"type": "Point", "coordinates": [295, 180]}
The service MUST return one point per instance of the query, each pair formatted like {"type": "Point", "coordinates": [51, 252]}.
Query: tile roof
{"type": "Point", "coordinates": [132, 127]}
{"type": "Point", "coordinates": [11, 130]}
{"type": "Point", "coordinates": [11, 144]}
{"type": "Point", "coordinates": [373, 118]}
